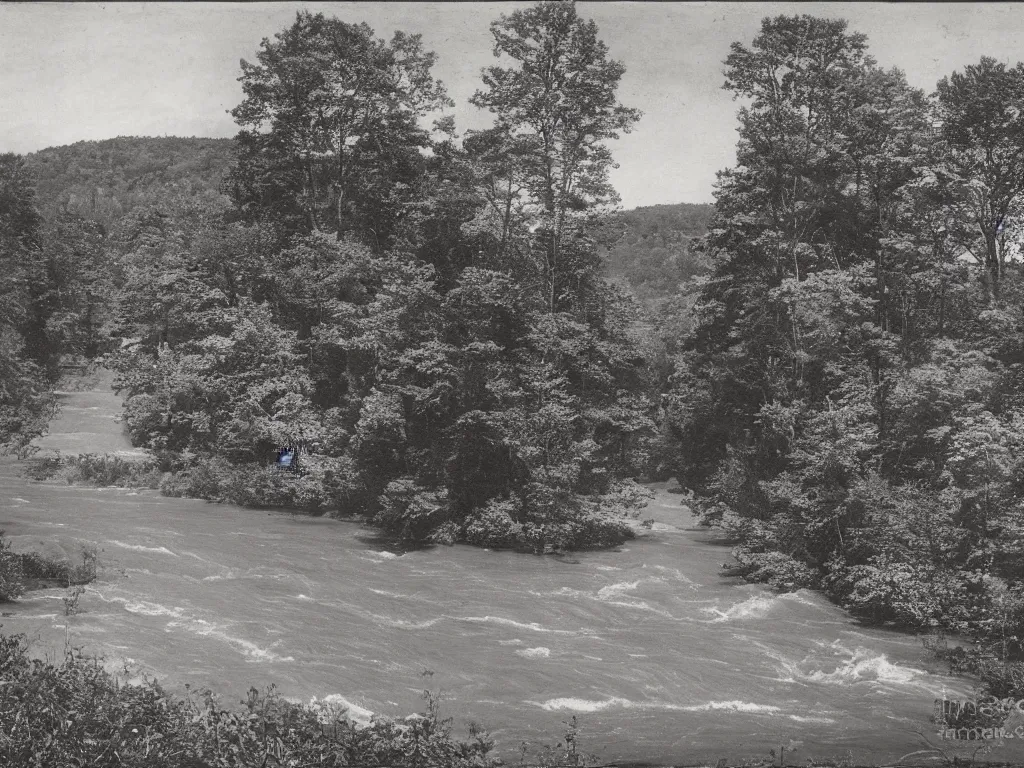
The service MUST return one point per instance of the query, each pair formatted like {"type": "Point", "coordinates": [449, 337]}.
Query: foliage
{"type": "Point", "coordinates": [981, 114]}
{"type": "Point", "coordinates": [847, 399]}
{"type": "Point", "coordinates": [256, 485]}
{"type": "Point", "coordinates": [81, 286]}
{"type": "Point", "coordinates": [555, 108]}
{"type": "Point", "coordinates": [27, 351]}
{"type": "Point", "coordinates": [76, 713]}
{"type": "Point", "coordinates": [43, 566]}
{"type": "Point", "coordinates": [329, 135]}
{"type": "Point", "coordinates": [101, 181]}
{"type": "Point", "coordinates": [20, 571]}
{"type": "Point", "coordinates": [71, 600]}
{"type": "Point", "coordinates": [96, 469]}
{"type": "Point", "coordinates": [12, 584]}
{"type": "Point", "coordinates": [434, 363]}
{"type": "Point", "coordinates": [650, 248]}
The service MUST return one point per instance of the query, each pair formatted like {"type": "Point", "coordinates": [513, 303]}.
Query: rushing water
{"type": "Point", "coordinates": [662, 658]}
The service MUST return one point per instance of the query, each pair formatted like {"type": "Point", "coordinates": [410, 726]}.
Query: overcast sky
{"type": "Point", "coordinates": [93, 71]}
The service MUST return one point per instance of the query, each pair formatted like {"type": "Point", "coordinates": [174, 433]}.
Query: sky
{"type": "Point", "coordinates": [74, 71]}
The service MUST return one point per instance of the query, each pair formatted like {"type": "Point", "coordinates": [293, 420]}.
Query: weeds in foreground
{"type": "Point", "coordinates": [74, 712]}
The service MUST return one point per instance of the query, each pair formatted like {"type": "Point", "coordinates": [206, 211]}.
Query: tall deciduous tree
{"type": "Point", "coordinates": [556, 107]}
{"type": "Point", "coordinates": [330, 124]}
{"type": "Point", "coordinates": [848, 401]}
{"type": "Point", "coordinates": [982, 117]}
{"type": "Point", "coordinates": [25, 353]}
{"type": "Point", "coordinates": [441, 375]}
{"type": "Point", "coordinates": [82, 287]}
{"type": "Point", "coordinates": [826, 141]}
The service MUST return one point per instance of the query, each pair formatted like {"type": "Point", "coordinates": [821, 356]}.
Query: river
{"type": "Point", "coordinates": [662, 658]}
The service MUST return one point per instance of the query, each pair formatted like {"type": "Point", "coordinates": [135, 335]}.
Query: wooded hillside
{"type": "Point", "coordinates": [103, 180]}
{"type": "Point", "coordinates": [649, 247]}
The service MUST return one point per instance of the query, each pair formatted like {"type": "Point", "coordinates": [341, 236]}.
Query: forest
{"type": "Point", "coordinates": [470, 343]}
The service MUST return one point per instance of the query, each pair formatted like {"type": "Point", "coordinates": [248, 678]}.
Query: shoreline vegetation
{"type": "Point", "coordinates": [271, 488]}
{"type": "Point", "coordinates": [34, 563]}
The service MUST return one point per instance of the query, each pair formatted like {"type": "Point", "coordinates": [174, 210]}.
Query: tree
{"type": "Point", "coordinates": [982, 122]}
{"type": "Point", "coordinates": [25, 352]}
{"type": "Point", "coordinates": [848, 403]}
{"type": "Point", "coordinates": [82, 293]}
{"type": "Point", "coordinates": [826, 143]}
{"type": "Point", "coordinates": [555, 108]}
{"type": "Point", "coordinates": [385, 306]}
{"type": "Point", "coordinates": [330, 125]}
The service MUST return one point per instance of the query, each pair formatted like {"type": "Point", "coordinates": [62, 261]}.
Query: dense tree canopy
{"type": "Point", "coordinates": [104, 180]}
{"type": "Point", "coordinates": [846, 402]}
{"type": "Point", "coordinates": [331, 125]}
{"type": "Point", "coordinates": [26, 351]}
{"type": "Point", "coordinates": [555, 108]}
{"type": "Point", "coordinates": [981, 111]}
{"type": "Point", "coordinates": [456, 375]}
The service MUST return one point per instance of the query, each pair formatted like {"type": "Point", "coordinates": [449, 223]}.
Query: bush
{"type": "Point", "coordinates": [97, 469]}
{"type": "Point", "coordinates": [199, 482]}
{"type": "Point", "coordinates": [494, 526]}
{"type": "Point", "coordinates": [912, 595]}
{"type": "Point", "coordinates": [411, 511]}
{"type": "Point", "coordinates": [42, 468]}
{"type": "Point", "coordinates": [12, 577]}
{"type": "Point", "coordinates": [314, 489]}
{"type": "Point", "coordinates": [776, 569]}
{"type": "Point", "coordinates": [82, 715]}
{"type": "Point", "coordinates": [36, 565]}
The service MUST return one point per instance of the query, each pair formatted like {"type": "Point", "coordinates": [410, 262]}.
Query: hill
{"type": "Point", "coordinates": [103, 180]}
{"type": "Point", "coordinates": [649, 248]}
{"type": "Point", "coordinates": [646, 249]}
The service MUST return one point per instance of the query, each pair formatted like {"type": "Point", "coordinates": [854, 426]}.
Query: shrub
{"type": "Point", "coordinates": [42, 467]}
{"type": "Point", "coordinates": [12, 577]}
{"type": "Point", "coordinates": [259, 486]}
{"type": "Point", "coordinates": [907, 594]}
{"type": "Point", "coordinates": [198, 482]}
{"type": "Point", "coordinates": [71, 600]}
{"type": "Point", "coordinates": [494, 526]}
{"type": "Point", "coordinates": [54, 562]}
{"type": "Point", "coordinates": [97, 469]}
{"type": "Point", "coordinates": [81, 714]}
{"type": "Point", "coordinates": [411, 511]}
{"type": "Point", "coordinates": [776, 569]}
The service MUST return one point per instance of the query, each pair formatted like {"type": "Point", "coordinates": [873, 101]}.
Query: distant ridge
{"type": "Point", "coordinates": [103, 180]}
{"type": "Point", "coordinates": [646, 247]}
{"type": "Point", "coordinates": [649, 247]}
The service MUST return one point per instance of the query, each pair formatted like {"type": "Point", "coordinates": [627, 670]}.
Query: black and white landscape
{"type": "Point", "coordinates": [375, 400]}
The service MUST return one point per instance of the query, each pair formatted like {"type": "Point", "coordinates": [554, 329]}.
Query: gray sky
{"type": "Point", "coordinates": [93, 71]}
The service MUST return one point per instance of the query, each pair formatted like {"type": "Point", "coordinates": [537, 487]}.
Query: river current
{"type": "Point", "coordinates": [661, 657]}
